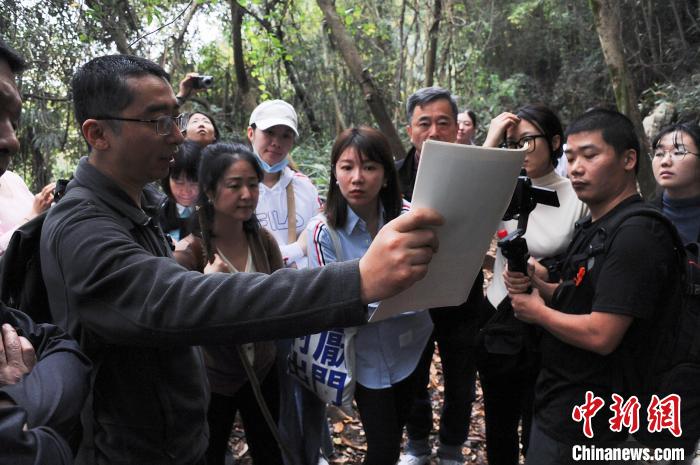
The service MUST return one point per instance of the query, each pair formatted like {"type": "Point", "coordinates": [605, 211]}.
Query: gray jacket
{"type": "Point", "coordinates": [113, 284]}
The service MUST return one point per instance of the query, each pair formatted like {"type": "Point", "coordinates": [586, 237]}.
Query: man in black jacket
{"type": "Point", "coordinates": [43, 375]}
{"type": "Point", "coordinates": [603, 323]}
{"type": "Point", "coordinates": [112, 281]}
{"type": "Point", "coordinates": [432, 114]}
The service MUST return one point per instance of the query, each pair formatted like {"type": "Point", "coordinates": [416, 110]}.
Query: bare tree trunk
{"type": "Point", "coordinates": [176, 61]}
{"type": "Point", "coordinates": [40, 169]}
{"type": "Point", "coordinates": [679, 24]}
{"type": "Point", "coordinates": [362, 76]}
{"type": "Point", "coordinates": [117, 19]}
{"type": "Point", "coordinates": [606, 14]}
{"type": "Point", "coordinates": [431, 53]}
{"type": "Point", "coordinates": [400, 66]}
{"type": "Point", "coordinates": [247, 98]}
{"type": "Point", "coordinates": [340, 124]}
{"type": "Point", "coordinates": [289, 68]}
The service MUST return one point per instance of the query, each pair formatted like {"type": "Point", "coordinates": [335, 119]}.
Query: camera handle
{"type": "Point", "coordinates": [514, 249]}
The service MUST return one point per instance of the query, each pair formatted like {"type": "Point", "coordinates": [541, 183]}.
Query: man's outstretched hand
{"type": "Point", "coordinates": [399, 255]}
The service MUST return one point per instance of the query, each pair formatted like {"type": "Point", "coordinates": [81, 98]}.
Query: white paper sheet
{"type": "Point", "coordinates": [471, 187]}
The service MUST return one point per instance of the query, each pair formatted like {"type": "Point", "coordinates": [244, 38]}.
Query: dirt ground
{"type": "Point", "coordinates": [349, 438]}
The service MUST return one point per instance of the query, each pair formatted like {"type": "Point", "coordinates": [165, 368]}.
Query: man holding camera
{"type": "Point", "coordinates": [603, 321]}
{"type": "Point", "coordinates": [192, 83]}
{"type": "Point", "coordinates": [113, 283]}
{"type": "Point", "coordinates": [432, 114]}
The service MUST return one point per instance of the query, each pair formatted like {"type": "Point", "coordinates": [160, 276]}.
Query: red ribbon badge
{"type": "Point", "coordinates": [579, 276]}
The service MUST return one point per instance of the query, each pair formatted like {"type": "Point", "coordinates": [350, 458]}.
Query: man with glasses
{"type": "Point", "coordinates": [432, 115]}
{"type": "Point", "coordinates": [603, 322]}
{"type": "Point", "coordinates": [139, 316]}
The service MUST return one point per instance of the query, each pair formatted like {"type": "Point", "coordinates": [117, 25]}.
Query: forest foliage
{"type": "Point", "coordinates": [493, 55]}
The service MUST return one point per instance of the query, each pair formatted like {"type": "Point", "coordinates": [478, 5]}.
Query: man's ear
{"type": "Point", "coordinates": [251, 131]}
{"type": "Point", "coordinates": [409, 130]}
{"type": "Point", "coordinates": [95, 134]}
{"type": "Point", "coordinates": [630, 159]}
{"type": "Point", "coordinates": [556, 142]}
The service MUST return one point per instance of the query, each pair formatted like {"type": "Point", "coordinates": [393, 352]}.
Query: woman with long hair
{"type": "Point", "coordinates": [363, 195]}
{"type": "Point", "coordinates": [231, 240]}
{"type": "Point", "coordinates": [508, 373]}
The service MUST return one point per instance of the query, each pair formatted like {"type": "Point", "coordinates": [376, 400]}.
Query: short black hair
{"type": "Point", "coordinates": [374, 145]}
{"type": "Point", "coordinates": [99, 87]}
{"type": "Point", "coordinates": [427, 95]}
{"type": "Point", "coordinates": [616, 129]}
{"type": "Point", "coordinates": [548, 122]}
{"type": "Point", "coordinates": [185, 162]}
{"type": "Point", "coordinates": [14, 60]}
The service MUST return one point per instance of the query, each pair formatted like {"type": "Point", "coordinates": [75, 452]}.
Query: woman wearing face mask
{"type": "Point", "coordinates": [231, 240]}
{"type": "Point", "coordinates": [508, 373]}
{"type": "Point", "coordinates": [288, 198]}
{"type": "Point", "coordinates": [363, 195]}
{"type": "Point", "coordinates": [181, 189]}
{"type": "Point", "coordinates": [201, 129]}
{"type": "Point", "coordinates": [676, 166]}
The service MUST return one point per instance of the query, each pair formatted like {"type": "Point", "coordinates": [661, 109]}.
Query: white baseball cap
{"type": "Point", "coordinates": [273, 113]}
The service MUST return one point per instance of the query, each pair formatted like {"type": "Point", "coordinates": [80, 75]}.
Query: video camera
{"type": "Point", "coordinates": [525, 198]}
{"type": "Point", "coordinates": [60, 189]}
{"type": "Point", "coordinates": [203, 82]}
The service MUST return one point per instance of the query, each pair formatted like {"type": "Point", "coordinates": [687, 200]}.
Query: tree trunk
{"type": "Point", "coordinates": [606, 14]}
{"type": "Point", "coordinates": [431, 53]}
{"type": "Point", "coordinates": [40, 170]}
{"type": "Point", "coordinates": [362, 75]}
{"type": "Point", "coordinates": [117, 20]}
{"type": "Point", "coordinates": [247, 99]}
{"type": "Point", "coordinates": [178, 41]}
{"type": "Point", "coordinates": [299, 90]}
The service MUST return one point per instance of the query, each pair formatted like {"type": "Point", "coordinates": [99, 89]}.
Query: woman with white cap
{"type": "Point", "coordinates": [287, 197]}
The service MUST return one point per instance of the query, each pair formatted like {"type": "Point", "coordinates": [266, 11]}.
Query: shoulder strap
{"type": "Point", "coordinates": [339, 257]}
{"type": "Point", "coordinates": [291, 214]}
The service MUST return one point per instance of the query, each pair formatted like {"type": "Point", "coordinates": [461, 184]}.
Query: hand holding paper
{"type": "Point", "coordinates": [471, 188]}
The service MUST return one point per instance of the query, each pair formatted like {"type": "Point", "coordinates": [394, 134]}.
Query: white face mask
{"type": "Point", "coordinates": [276, 168]}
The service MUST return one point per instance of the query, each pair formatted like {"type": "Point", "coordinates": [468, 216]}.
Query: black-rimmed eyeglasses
{"type": "Point", "coordinates": [524, 141]}
{"type": "Point", "coordinates": [164, 124]}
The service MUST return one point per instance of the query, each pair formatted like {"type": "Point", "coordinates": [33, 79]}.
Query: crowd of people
{"type": "Point", "coordinates": [180, 267]}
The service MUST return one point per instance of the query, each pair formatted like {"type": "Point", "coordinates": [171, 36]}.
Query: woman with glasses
{"type": "Point", "coordinates": [508, 368]}
{"type": "Point", "coordinates": [676, 165]}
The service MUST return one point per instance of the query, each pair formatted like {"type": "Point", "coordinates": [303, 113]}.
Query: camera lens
{"type": "Point", "coordinates": [203, 82]}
